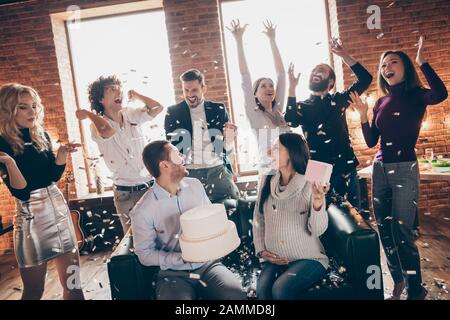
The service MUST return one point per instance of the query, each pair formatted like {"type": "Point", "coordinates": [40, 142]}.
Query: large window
{"type": "Point", "coordinates": [302, 38]}
{"type": "Point", "coordinates": [135, 48]}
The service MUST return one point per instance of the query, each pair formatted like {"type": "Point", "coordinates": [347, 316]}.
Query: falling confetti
{"type": "Point", "coordinates": [391, 4]}
{"type": "Point", "coordinates": [379, 36]}
{"type": "Point", "coordinates": [194, 276]}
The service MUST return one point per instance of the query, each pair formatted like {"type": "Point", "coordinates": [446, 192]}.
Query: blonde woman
{"type": "Point", "coordinates": [43, 229]}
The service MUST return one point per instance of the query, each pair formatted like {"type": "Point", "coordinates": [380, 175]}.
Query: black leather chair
{"type": "Point", "coordinates": [350, 242]}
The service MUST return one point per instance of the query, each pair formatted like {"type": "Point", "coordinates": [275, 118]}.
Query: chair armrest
{"type": "Point", "coordinates": [128, 278]}
{"type": "Point", "coordinates": [353, 241]}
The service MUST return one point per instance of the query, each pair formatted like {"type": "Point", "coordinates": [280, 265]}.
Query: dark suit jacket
{"type": "Point", "coordinates": [178, 126]}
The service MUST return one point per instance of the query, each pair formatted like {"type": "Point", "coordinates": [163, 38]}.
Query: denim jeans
{"type": "Point", "coordinates": [287, 282]}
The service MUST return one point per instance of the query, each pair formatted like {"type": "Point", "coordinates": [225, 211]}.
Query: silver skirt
{"type": "Point", "coordinates": [43, 227]}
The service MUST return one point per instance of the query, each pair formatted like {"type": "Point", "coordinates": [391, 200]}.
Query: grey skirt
{"type": "Point", "coordinates": [43, 228]}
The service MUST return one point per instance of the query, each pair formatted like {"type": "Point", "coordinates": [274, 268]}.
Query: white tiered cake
{"type": "Point", "coordinates": [207, 234]}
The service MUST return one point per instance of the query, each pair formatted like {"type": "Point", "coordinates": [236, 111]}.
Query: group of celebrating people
{"type": "Point", "coordinates": [152, 188]}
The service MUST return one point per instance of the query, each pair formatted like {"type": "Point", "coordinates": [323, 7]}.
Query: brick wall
{"type": "Point", "coordinates": [399, 25]}
{"type": "Point", "coordinates": [32, 52]}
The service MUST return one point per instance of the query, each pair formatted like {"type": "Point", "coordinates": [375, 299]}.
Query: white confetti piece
{"type": "Point", "coordinates": [194, 276]}
{"type": "Point", "coordinates": [380, 35]}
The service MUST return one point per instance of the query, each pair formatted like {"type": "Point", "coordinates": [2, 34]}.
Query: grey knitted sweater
{"type": "Point", "coordinates": [290, 227]}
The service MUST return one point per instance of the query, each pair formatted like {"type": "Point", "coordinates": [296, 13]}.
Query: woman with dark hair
{"type": "Point", "coordinates": [289, 217]}
{"type": "Point", "coordinates": [397, 118]}
{"type": "Point", "coordinates": [43, 228]}
{"type": "Point", "coordinates": [264, 104]}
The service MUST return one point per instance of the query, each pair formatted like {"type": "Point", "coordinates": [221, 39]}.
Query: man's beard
{"type": "Point", "coordinates": [179, 174]}
{"type": "Point", "coordinates": [319, 86]}
{"type": "Point", "coordinates": [197, 102]}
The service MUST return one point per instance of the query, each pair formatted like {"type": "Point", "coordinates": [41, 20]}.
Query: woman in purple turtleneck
{"type": "Point", "coordinates": [397, 118]}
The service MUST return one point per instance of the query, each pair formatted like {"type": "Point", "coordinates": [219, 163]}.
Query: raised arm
{"type": "Point", "coordinates": [270, 32]}
{"type": "Point", "coordinates": [293, 115]}
{"type": "Point", "coordinates": [370, 132]}
{"type": "Point", "coordinates": [103, 127]}
{"type": "Point", "coordinates": [318, 217]}
{"type": "Point", "coordinates": [153, 107]}
{"type": "Point", "coordinates": [364, 78]}
{"type": "Point", "coordinates": [437, 92]}
{"type": "Point", "coordinates": [238, 32]}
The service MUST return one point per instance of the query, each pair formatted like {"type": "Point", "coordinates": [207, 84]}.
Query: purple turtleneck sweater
{"type": "Point", "coordinates": [397, 118]}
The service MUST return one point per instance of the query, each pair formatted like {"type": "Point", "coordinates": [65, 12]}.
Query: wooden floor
{"type": "Point", "coordinates": [434, 246]}
{"type": "Point", "coordinates": [94, 279]}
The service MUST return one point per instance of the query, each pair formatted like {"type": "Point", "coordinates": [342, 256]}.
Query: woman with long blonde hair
{"type": "Point", "coordinates": [43, 229]}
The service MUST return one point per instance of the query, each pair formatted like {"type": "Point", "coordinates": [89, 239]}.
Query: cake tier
{"type": "Point", "coordinates": [211, 249]}
{"type": "Point", "coordinates": [204, 222]}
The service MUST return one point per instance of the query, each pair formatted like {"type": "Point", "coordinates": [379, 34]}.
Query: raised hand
{"type": "Point", "coordinates": [419, 58]}
{"type": "Point", "coordinates": [337, 47]}
{"type": "Point", "coordinates": [361, 106]}
{"type": "Point", "coordinates": [293, 80]}
{"type": "Point", "coordinates": [236, 29]}
{"type": "Point", "coordinates": [270, 29]}
{"type": "Point", "coordinates": [82, 114]}
{"type": "Point", "coordinates": [132, 95]}
{"type": "Point", "coordinates": [319, 191]}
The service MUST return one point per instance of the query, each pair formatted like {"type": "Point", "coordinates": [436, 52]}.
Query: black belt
{"type": "Point", "coordinates": [138, 187]}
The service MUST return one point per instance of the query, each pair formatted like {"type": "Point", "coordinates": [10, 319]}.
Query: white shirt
{"type": "Point", "coordinates": [202, 154]}
{"type": "Point", "coordinates": [122, 152]}
{"type": "Point", "coordinates": [155, 221]}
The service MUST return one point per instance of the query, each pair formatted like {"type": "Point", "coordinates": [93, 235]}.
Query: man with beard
{"type": "Point", "coordinates": [156, 226]}
{"type": "Point", "coordinates": [200, 129]}
{"type": "Point", "coordinates": [323, 121]}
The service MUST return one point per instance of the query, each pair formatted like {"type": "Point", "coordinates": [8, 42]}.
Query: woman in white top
{"type": "Point", "coordinates": [264, 103]}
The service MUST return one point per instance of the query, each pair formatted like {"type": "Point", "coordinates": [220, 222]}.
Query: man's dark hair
{"type": "Point", "coordinates": [96, 92]}
{"type": "Point", "coordinates": [153, 154]}
{"type": "Point", "coordinates": [193, 74]}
